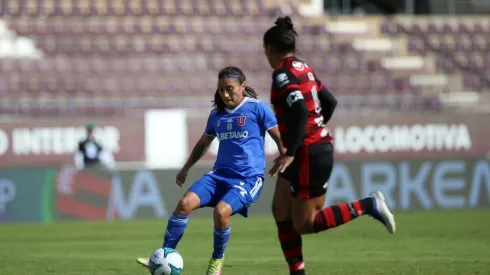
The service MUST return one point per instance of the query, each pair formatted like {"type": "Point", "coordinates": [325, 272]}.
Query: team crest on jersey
{"type": "Point", "coordinates": [229, 126]}
{"type": "Point", "coordinates": [241, 120]}
{"type": "Point", "coordinates": [298, 65]}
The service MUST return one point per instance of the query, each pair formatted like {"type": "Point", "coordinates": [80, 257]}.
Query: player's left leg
{"type": "Point", "coordinates": [289, 237]}
{"type": "Point", "coordinates": [240, 195]}
{"type": "Point", "coordinates": [222, 231]}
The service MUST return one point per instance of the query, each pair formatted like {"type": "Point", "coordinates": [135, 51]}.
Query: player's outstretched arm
{"type": "Point", "coordinates": [276, 136]}
{"type": "Point", "coordinates": [269, 123]}
{"type": "Point", "coordinates": [199, 150]}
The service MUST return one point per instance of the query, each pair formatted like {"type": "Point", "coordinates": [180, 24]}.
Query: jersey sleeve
{"type": "Point", "coordinates": [210, 130]}
{"type": "Point", "coordinates": [288, 86]}
{"type": "Point", "coordinates": [266, 116]}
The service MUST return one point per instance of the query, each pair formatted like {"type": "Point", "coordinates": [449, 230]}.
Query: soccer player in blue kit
{"type": "Point", "coordinates": [239, 121]}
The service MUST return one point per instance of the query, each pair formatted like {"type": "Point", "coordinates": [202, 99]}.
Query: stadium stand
{"type": "Point", "coordinates": [113, 56]}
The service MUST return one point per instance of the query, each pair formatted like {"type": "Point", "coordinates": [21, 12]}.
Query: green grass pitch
{"type": "Point", "coordinates": [425, 243]}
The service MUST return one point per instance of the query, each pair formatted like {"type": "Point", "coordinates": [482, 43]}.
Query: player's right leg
{"type": "Point", "coordinates": [290, 239]}
{"type": "Point", "coordinates": [199, 195]}
{"type": "Point", "coordinates": [309, 216]}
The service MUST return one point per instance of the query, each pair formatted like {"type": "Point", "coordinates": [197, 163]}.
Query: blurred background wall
{"type": "Point", "coordinates": [411, 77]}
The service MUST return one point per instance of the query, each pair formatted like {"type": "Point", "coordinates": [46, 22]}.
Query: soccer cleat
{"type": "Point", "coordinates": [143, 261]}
{"type": "Point", "coordinates": [297, 272]}
{"type": "Point", "coordinates": [296, 268]}
{"type": "Point", "coordinates": [382, 213]}
{"type": "Point", "coordinates": [215, 266]}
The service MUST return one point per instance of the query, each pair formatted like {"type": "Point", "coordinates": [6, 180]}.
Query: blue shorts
{"type": "Point", "coordinates": [239, 193]}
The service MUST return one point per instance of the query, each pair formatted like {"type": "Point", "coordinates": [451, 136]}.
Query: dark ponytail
{"type": "Point", "coordinates": [282, 36]}
{"type": "Point", "coordinates": [240, 76]}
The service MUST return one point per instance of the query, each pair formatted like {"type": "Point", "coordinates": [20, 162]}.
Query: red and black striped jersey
{"type": "Point", "coordinates": [293, 80]}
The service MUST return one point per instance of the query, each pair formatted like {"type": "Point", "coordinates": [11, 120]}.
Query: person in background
{"type": "Point", "coordinates": [91, 154]}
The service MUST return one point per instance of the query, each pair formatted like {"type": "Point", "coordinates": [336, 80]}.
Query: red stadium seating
{"type": "Point", "coordinates": [115, 50]}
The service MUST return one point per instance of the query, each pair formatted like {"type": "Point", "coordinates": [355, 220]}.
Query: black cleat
{"type": "Point", "coordinates": [298, 272]}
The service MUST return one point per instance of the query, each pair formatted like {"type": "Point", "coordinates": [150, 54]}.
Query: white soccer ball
{"type": "Point", "coordinates": [166, 261]}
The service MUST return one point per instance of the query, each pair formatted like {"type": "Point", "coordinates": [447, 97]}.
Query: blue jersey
{"type": "Point", "coordinates": [241, 135]}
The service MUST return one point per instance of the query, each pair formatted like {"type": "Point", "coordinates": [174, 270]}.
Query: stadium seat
{"type": "Point", "coordinates": [152, 49]}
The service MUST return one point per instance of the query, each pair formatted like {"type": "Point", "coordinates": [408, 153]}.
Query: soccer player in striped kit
{"type": "Point", "coordinates": [303, 106]}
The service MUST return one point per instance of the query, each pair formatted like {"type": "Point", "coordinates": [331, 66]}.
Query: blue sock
{"type": "Point", "coordinates": [221, 237]}
{"type": "Point", "coordinates": [175, 230]}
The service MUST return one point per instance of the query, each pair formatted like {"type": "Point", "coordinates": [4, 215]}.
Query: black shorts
{"type": "Point", "coordinates": [310, 171]}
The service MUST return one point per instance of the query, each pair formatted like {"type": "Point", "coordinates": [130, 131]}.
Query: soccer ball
{"type": "Point", "coordinates": [166, 261]}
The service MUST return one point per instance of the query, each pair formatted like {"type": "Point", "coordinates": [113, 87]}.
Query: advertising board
{"type": "Point", "coordinates": [50, 194]}
{"type": "Point", "coordinates": [402, 136]}
{"type": "Point", "coordinates": [53, 141]}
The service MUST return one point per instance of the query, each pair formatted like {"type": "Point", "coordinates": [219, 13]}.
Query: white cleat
{"type": "Point", "coordinates": [382, 213]}
{"type": "Point", "coordinates": [143, 261]}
